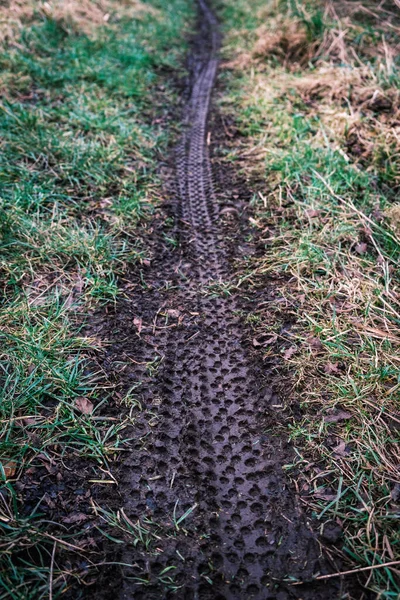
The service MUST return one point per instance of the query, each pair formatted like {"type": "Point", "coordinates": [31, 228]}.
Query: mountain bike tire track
{"type": "Point", "coordinates": [205, 451]}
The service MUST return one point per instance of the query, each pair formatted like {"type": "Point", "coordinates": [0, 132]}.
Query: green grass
{"type": "Point", "coordinates": [327, 217]}
{"type": "Point", "coordinates": [83, 117]}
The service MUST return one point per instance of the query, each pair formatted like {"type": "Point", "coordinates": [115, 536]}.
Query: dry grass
{"type": "Point", "coordinates": [83, 16]}
{"type": "Point", "coordinates": [315, 87]}
{"type": "Point", "coordinates": [80, 137]}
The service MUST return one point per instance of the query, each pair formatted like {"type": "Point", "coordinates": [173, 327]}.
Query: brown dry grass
{"type": "Point", "coordinates": [327, 137]}
{"type": "Point", "coordinates": [283, 38]}
{"type": "Point", "coordinates": [81, 16]}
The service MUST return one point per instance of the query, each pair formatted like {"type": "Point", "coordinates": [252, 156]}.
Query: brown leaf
{"type": "Point", "coordinates": [138, 322]}
{"type": "Point", "coordinates": [31, 420]}
{"type": "Point", "coordinates": [340, 448]}
{"type": "Point", "coordinates": [378, 214]}
{"type": "Point", "coordinates": [331, 368]}
{"type": "Point", "coordinates": [311, 213]}
{"type": "Point", "coordinates": [325, 495]}
{"type": "Point", "coordinates": [171, 312]}
{"type": "Point", "coordinates": [75, 518]}
{"type": "Point", "coordinates": [10, 468]}
{"type": "Point", "coordinates": [289, 352]}
{"type": "Point", "coordinates": [315, 343]}
{"type": "Point", "coordinates": [270, 340]}
{"type": "Point", "coordinates": [84, 405]}
{"type": "Point", "coordinates": [341, 415]}
{"type": "Point", "coordinates": [361, 248]}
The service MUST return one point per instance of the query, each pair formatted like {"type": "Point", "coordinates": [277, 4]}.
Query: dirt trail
{"type": "Point", "coordinates": [200, 445]}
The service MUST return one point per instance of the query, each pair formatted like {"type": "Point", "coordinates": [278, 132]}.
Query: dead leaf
{"type": "Point", "coordinates": [75, 518]}
{"type": "Point", "coordinates": [84, 405]}
{"type": "Point", "coordinates": [31, 420]}
{"type": "Point", "coordinates": [361, 248]}
{"type": "Point", "coordinates": [256, 343]}
{"type": "Point", "coordinates": [171, 312]}
{"type": "Point", "coordinates": [270, 340]}
{"type": "Point", "coordinates": [9, 468]}
{"type": "Point", "coordinates": [315, 343]}
{"type": "Point", "coordinates": [340, 449]}
{"type": "Point", "coordinates": [289, 352]}
{"type": "Point", "coordinates": [326, 497]}
{"type": "Point", "coordinates": [341, 415]}
{"type": "Point", "coordinates": [138, 322]}
{"type": "Point", "coordinates": [331, 368]}
{"type": "Point", "coordinates": [311, 213]}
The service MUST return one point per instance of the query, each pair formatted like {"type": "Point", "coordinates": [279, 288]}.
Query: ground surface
{"type": "Point", "coordinates": [204, 470]}
{"type": "Point", "coordinates": [176, 446]}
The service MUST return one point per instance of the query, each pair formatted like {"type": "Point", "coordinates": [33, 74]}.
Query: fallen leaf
{"type": "Point", "coordinates": [341, 415]}
{"type": "Point", "coordinates": [31, 420]}
{"type": "Point", "coordinates": [9, 468]}
{"type": "Point", "coordinates": [289, 352]}
{"type": "Point", "coordinates": [138, 322]}
{"type": "Point", "coordinates": [171, 312]}
{"type": "Point", "coordinates": [84, 405]}
{"type": "Point", "coordinates": [395, 492]}
{"type": "Point", "coordinates": [378, 214]}
{"type": "Point", "coordinates": [361, 248]}
{"type": "Point", "coordinates": [331, 368]}
{"type": "Point", "coordinates": [311, 213]}
{"type": "Point", "coordinates": [75, 518]}
{"type": "Point", "coordinates": [270, 340]}
{"type": "Point", "coordinates": [340, 449]}
{"type": "Point", "coordinates": [256, 343]}
{"type": "Point", "coordinates": [327, 496]}
{"type": "Point", "coordinates": [315, 343]}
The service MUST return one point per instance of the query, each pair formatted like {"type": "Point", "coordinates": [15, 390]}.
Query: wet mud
{"type": "Point", "coordinates": [206, 466]}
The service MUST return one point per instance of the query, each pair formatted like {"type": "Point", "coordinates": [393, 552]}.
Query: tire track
{"type": "Point", "coordinates": [206, 454]}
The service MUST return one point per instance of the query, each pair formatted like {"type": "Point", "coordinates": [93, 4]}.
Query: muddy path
{"type": "Point", "coordinates": [204, 473]}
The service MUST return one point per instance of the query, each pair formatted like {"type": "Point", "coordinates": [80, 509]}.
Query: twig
{"type": "Point", "coordinates": [351, 571]}
{"type": "Point", "coordinates": [52, 571]}
{"type": "Point", "coordinates": [62, 542]}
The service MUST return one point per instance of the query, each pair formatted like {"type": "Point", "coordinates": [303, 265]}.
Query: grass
{"type": "Point", "coordinates": [85, 92]}
{"type": "Point", "coordinates": [314, 90]}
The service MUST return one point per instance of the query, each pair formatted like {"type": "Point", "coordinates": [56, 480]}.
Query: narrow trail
{"type": "Point", "coordinates": [200, 447]}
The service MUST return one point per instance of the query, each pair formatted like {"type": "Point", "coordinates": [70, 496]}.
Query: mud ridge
{"type": "Point", "coordinates": [200, 449]}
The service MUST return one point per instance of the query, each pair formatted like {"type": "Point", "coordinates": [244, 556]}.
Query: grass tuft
{"type": "Point", "coordinates": [314, 91]}
{"type": "Point", "coordinates": [85, 89]}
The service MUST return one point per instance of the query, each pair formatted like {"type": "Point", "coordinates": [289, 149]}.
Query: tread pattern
{"type": "Point", "coordinates": [203, 446]}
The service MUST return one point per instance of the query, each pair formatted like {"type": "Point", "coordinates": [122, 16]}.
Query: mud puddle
{"type": "Point", "coordinates": [205, 476]}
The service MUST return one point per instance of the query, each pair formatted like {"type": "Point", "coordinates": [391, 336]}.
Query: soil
{"type": "Point", "coordinates": [205, 471]}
